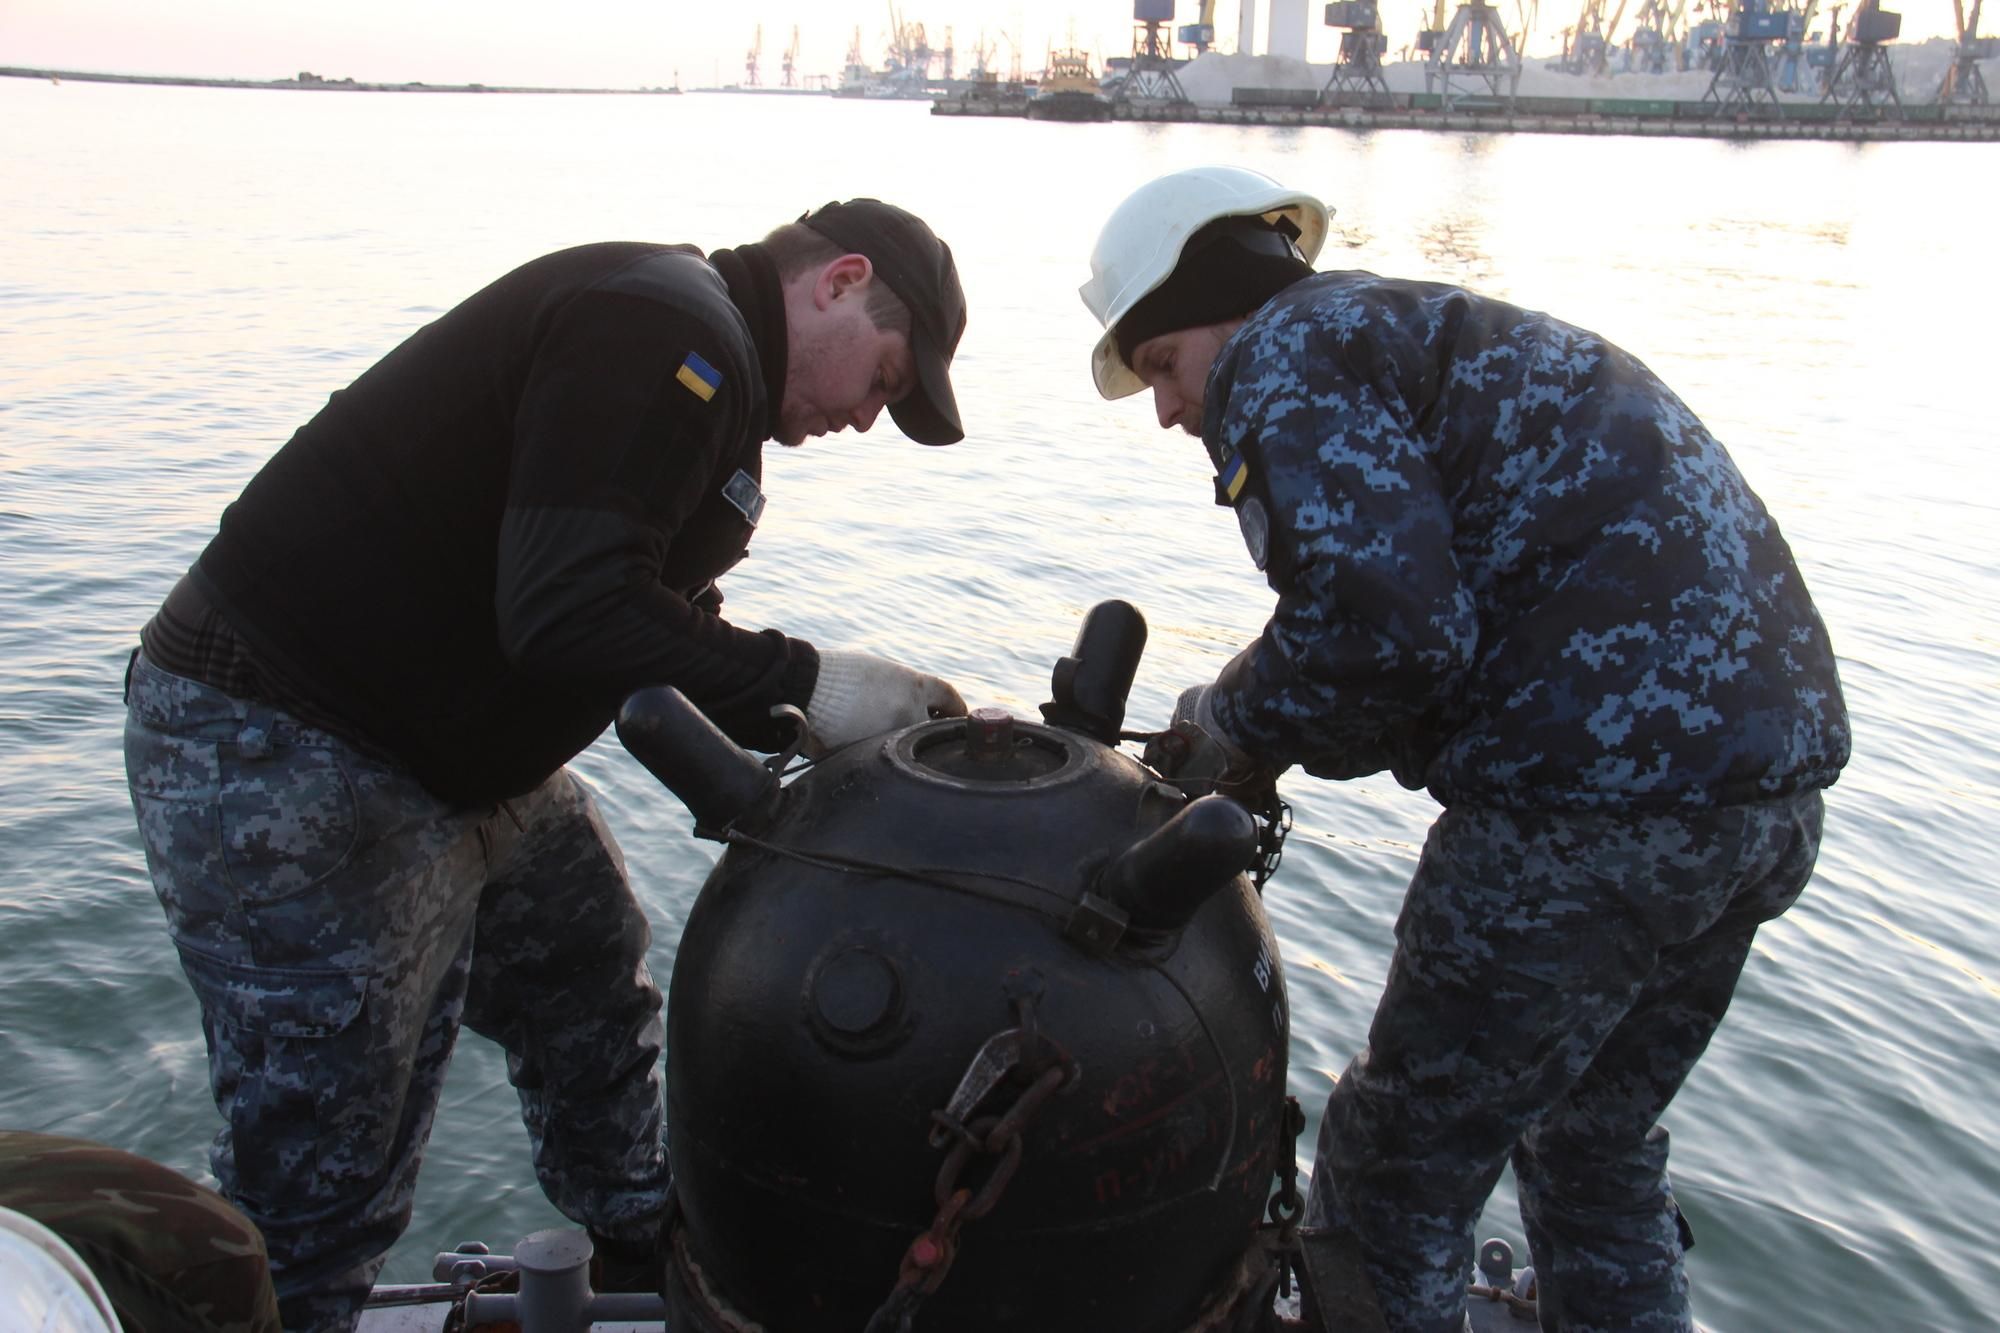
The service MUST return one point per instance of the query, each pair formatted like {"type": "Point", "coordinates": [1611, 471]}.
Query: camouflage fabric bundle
{"type": "Point", "coordinates": [172, 1256]}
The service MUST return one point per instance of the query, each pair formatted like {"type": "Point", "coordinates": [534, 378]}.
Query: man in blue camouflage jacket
{"type": "Point", "coordinates": [1514, 569]}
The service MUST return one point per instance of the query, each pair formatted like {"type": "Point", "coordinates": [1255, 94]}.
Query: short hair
{"type": "Point", "coordinates": [796, 248]}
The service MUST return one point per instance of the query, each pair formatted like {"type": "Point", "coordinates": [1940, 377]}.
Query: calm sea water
{"type": "Point", "coordinates": [185, 274]}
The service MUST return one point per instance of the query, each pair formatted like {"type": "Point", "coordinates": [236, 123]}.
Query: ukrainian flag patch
{"type": "Point", "coordinates": [1234, 474]}
{"type": "Point", "coordinates": [701, 379]}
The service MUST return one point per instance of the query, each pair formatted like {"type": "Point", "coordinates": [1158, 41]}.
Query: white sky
{"type": "Point", "coordinates": [618, 43]}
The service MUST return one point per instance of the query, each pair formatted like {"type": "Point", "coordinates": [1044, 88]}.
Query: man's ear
{"type": "Point", "coordinates": [841, 276]}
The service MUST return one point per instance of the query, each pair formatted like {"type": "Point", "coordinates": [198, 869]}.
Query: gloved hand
{"type": "Point", "coordinates": [859, 695]}
{"type": "Point", "coordinates": [1197, 756]}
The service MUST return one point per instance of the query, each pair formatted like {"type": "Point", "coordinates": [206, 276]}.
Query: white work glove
{"type": "Point", "coordinates": [859, 696]}
{"type": "Point", "coordinates": [1196, 755]}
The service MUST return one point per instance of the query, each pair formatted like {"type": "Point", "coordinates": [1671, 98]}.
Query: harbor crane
{"type": "Point", "coordinates": [1201, 33]}
{"type": "Point", "coordinates": [1357, 72]}
{"type": "Point", "coordinates": [1821, 57]}
{"type": "Point", "coordinates": [909, 50]}
{"type": "Point", "coordinates": [1963, 83]}
{"type": "Point", "coordinates": [1474, 43]}
{"type": "Point", "coordinates": [1655, 34]}
{"type": "Point", "coordinates": [1587, 46]}
{"type": "Point", "coordinates": [1705, 45]}
{"type": "Point", "coordinates": [1527, 12]}
{"type": "Point", "coordinates": [750, 79]}
{"type": "Point", "coordinates": [1014, 71]}
{"type": "Point", "coordinates": [1151, 77]}
{"type": "Point", "coordinates": [1430, 35]}
{"type": "Point", "coordinates": [1864, 77]}
{"type": "Point", "coordinates": [792, 60]}
{"type": "Point", "coordinates": [982, 58]}
{"type": "Point", "coordinates": [1793, 57]}
{"type": "Point", "coordinates": [1743, 80]}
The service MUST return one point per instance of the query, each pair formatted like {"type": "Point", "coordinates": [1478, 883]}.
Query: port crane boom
{"type": "Point", "coordinates": [1962, 80]}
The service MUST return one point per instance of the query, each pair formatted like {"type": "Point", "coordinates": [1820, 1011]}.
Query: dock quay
{"type": "Point", "coordinates": [304, 81]}
{"type": "Point", "coordinates": [1557, 115]}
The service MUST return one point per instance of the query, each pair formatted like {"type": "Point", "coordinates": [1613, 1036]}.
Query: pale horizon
{"type": "Point", "coordinates": [623, 44]}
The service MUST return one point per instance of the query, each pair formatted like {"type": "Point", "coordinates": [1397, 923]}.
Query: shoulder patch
{"type": "Point", "coordinates": [741, 491]}
{"type": "Point", "coordinates": [701, 379]}
{"type": "Point", "coordinates": [1235, 472]}
{"type": "Point", "coordinates": [1256, 525]}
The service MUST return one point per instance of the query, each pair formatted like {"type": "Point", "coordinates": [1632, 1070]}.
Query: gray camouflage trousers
{"type": "Point", "coordinates": [338, 924]}
{"type": "Point", "coordinates": [1555, 978]}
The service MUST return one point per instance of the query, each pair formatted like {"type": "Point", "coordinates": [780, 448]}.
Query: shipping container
{"type": "Point", "coordinates": [1368, 99]}
{"type": "Point", "coordinates": [1290, 97]}
{"type": "Point", "coordinates": [1653, 108]}
{"type": "Point", "coordinates": [1552, 106]}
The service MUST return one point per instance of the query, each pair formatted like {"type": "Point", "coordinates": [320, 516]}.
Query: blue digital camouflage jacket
{"type": "Point", "coordinates": [1511, 565]}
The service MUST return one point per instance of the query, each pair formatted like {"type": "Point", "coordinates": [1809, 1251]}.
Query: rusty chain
{"type": "Point", "coordinates": [1286, 1207]}
{"type": "Point", "coordinates": [929, 1257]}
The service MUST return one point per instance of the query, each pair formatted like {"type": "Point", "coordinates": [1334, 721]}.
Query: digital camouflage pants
{"type": "Point", "coordinates": [1555, 978]}
{"type": "Point", "coordinates": [338, 924]}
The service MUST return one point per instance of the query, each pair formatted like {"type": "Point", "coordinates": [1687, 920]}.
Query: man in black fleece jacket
{"type": "Point", "coordinates": [349, 720]}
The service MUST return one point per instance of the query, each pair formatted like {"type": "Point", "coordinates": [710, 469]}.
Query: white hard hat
{"type": "Point", "coordinates": [1141, 242]}
{"type": "Point", "coordinates": [44, 1286]}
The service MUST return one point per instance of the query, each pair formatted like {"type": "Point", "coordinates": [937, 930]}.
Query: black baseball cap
{"type": "Point", "coordinates": [918, 268]}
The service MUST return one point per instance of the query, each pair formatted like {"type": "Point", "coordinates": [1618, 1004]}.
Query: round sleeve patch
{"type": "Point", "coordinates": [1256, 525]}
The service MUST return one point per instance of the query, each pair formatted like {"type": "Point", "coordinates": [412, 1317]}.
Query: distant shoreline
{"type": "Point", "coordinates": [309, 83]}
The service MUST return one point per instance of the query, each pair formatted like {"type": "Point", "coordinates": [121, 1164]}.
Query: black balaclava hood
{"type": "Point", "coordinates": [1228, 268]}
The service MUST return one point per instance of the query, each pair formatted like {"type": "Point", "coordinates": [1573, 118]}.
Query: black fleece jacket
{"type": "Point", "coordinates": [516, 518]}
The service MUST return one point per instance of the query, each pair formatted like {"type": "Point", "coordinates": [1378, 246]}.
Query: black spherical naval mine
{"type": "Point", "coordinates": [930, 936]}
